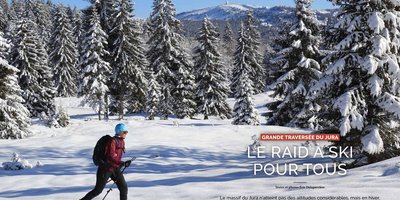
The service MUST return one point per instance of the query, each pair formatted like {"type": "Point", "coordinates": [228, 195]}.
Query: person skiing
{"type": "Point", "coordinates": [110, 167]}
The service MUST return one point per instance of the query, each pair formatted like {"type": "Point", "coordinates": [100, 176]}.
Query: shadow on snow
{"type": "Point", "coordinates": [170, 160]}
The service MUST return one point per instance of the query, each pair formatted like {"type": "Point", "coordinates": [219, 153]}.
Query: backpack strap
{"type": "Point", "coordinates": [116, 142]}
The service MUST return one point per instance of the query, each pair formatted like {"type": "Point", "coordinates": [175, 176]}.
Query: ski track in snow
{"type": "Point", "coordinates": [197, 160]}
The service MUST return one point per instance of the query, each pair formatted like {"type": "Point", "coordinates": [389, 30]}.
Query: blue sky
{"type": "Point", "coordinates": [143, 7]}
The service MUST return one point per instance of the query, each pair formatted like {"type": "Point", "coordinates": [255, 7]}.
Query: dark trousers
{"type": "Point", "coordinates": [102, 176]}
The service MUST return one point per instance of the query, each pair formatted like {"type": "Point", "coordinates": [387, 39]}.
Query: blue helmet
{"type": "Point", "coordinates": [120, 128]}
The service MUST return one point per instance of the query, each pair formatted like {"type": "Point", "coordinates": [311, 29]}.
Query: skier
{"type": "Point", "coordinates": [112, 165]}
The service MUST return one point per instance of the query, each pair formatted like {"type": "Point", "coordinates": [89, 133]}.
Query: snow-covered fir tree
{"type": "Point", "coordinates": [228, 41]}
{"type": "Point", "coordinates": [29, 55]}
{"type": "Point", "coordinates": [254, 58]}
{"type": "Point", "coordinates": [47, 92]}
{"type": "Point", "coordinates": [3, 15]}
{"type": "Point", "coordinates": [361, 84]}
{"type": "Point", "coordinates": [244, 112]}
{"type": "Point", "coordinates": [12, 18]}
{"type": "Point", "coordinates": [144, 25]}
{"type": "Point", "coordinates": [241, 52]}
{"type": "Point", "coordinates": [170, 62]}
{"type": "Point", "coordinates": [128, 82]}
{"type": "Point", "coordinates": [4, 5]}
{"type": "Point", "coordinates": [16, 9]}
{"type": "Point", "coordinates": [106, 10]}
{"type": "Point", "coordinates": [273, 60]}
{"type": "Point", "coordinates": [227, 47]}
{"type": "Point", "coordinates": [95, 70]}
{"type": "Point", "coordinates": [153, 98]}
{"type": "Point", "coordinates": [249, 37]}
{"type": "Point", "coordinates": [85, 27]}
{"type": "Point", "coordinates": [61, 118]}
{"type": "Point", "coordinates": [63, 54]}
{"type": "Point", "coordinates": [40, 13]}
{"type": "Point", "coordinates": [184, 94]}
{"type": "Point", "coordinates": [302, 70]}
{"type": "Point", "coordinates": [75, 17]}
{"type": "Point", "coordinates": [211, 87]}
{"type": "Point", "coordinates": [14, 116]}
{"type": "Point", "coordinates": [43, 16]}
{"type": "Point", "coordinates": [4, 47]}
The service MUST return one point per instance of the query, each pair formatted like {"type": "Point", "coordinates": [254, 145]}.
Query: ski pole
{"type": "Point", "coordinates": [149, 157]}
{"type": "Point", "coordinates": [122, 172]}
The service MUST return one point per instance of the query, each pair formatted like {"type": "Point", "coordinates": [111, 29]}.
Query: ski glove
{"type": "Point", "coordinates": [127, 163]}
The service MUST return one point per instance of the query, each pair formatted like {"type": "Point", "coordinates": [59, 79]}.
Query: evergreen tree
{"type": "Point", "coordinates": [76, 24]}
{"type": "Point", "coordinates": [14, 116]}
{"type": "Point", "coordinates": [17, 8]}
{"type": "Point", "coordinates": [210, 75]}
{"type": "Point", "coordinates": [63, 54]}
{"type": "Point", "coordinates": [153, 98]}
{"type": "Point", "coordinates": [62, 118]}
{"type": "Point", "coordinates": [129, 84]}
{"type": "Point", "coordinates": [75, 16]}
{"type": "Point", "coordinates": [106, 10]}
{"type": "Point", "coordinates": [184, 95]}
{"type": "Point", "coordinates": [242, 52]}
{"type": "Point", "coordinates": [85, 26]}
{"type": "Point", "coordinates": [302, 70]}
{"type": "Point", "coordinates": [274, 68]}
{"type": "Point", "coordinates": [361, 84]}
{"type": "Point", "coordinates": [244, 111]}
{"type": "Point", "coordinates": [228, 49]}
{"type": "Point", "coordinates": [254, 59]}
{"type": "Point", "coordinates": [4, 48]}
{"type": "Point", "coordinates": [45, 79]}
{"type": "Point", "coordinates": [145, 30]}
{"type": "Point", "coordinates": [95, 70]}
{"type": "Point", "coordinates": [228, 41]}
{"type": "Point", "coordinates": [29, 55]}
{"type": "Point", "coordinates": [3, 15]}
{"type": "Point", "coordinates": [76, 19]}
{"type": "Point", "coordinates": [14, 15]}
{"type": "Point", "coordinates": [250, 36]}
{"type": "Point", "coordinates": [170, 62]}
{"type": "Point", "coordinates": [40, 14]}
{"type": "Point", "coordinates": [43, 19]}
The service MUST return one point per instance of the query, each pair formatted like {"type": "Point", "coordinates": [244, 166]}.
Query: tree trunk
{"type": "Point", "coordinates": [151, 117]}
{"type": "Point", "coordinates": [121, 108]}
{"type": "Point", "coordinates": [106, 107]}
{"type": "Point", "coordinates": [100, 109]}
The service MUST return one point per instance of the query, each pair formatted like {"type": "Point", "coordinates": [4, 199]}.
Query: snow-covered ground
{"type": "Point", "coordinates": [198, 159]}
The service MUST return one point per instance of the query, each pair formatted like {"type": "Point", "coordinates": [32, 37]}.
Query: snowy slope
{"type": "Point", "coordinates": [198, 160]}
{"type": "Point", "coordinates": [266, 15]}
{"type": "Point", "coordinates": [222, 12]}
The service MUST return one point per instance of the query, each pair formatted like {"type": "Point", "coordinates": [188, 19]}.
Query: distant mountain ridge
{"type": "Point", "coordinates": [267, 16]}
{"type": "Point", "coordinates": [222, 12]}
